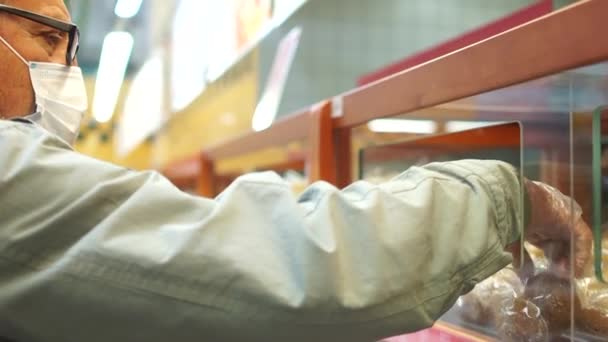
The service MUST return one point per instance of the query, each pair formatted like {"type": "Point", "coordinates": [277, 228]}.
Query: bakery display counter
{"type": "Point", "coordinates": [534, 96]}
{"type": "Point", "coordinates": [553, 130]}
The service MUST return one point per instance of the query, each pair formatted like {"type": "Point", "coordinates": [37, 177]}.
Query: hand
{"type": "Point", "coordinates": [557, 227]}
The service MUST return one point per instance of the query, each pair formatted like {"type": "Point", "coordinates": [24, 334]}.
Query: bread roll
{"type": "Point", "coordinates": [553, 297]}
{"type": "Point", "coordinates": [521, 320]}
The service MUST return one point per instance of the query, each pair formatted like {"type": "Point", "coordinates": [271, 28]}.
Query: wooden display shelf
{"type": "Point", "coordinates": [314, 125]}
{"type": "Point", "coordinates": [298, 163]}
{"type": "Point", "coordinates": [184, 173]}
{"type": "Point", "coordinates": [443, 331]}
{"type": "Point", "coordinates": [291, 128]}
{"type": "Point", "coordinates": [497, 136]}
{"type": "Point", "coordinates": [461, 332]}
{"type": "Point", "coordinates": [563, 40]}
{"type": "Point", "coordinates": [568, 36]}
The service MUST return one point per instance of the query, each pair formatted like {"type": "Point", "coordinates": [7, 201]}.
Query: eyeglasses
{"type": "Point", "coordinates": [71, 29]}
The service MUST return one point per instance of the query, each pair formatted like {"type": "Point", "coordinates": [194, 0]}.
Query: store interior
{"type": "Point", "coordinates": [344, 90]}
{"type": "Point", "coordinates": [212, 84]}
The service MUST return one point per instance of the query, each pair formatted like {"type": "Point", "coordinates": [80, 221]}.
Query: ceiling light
{"type": "Point", "coordinates": [143, 111]}
{"type": "Point", "coordinates": [403, 126]}
{"type": "Point", "coordinates": [115, 55]}
{"type": "Point", "coordinates": [127, 8]}
{"type": "Point", "coordinates": [457, 126]}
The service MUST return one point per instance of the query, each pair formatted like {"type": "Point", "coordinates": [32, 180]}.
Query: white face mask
{"type": "Point", "coordinates": [61, 98]}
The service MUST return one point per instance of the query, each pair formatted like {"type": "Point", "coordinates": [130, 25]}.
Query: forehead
{"type": "Point", "coordinates": [51, 8]}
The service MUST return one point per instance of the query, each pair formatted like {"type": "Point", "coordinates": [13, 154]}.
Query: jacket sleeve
{"type": "Point", "coordinates": [93, 252]}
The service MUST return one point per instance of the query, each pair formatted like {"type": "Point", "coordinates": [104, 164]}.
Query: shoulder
{"type": "Point", "coordinates": [17, 126]}
{"type": "Point", "coordinates": [20, 133]}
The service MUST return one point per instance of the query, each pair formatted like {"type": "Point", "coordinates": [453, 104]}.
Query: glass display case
{"type": "Point", "coordinates": [554, 130]}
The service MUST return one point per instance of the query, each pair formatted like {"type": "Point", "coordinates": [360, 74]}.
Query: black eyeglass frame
{"type": "Point", "coordinates": [69, 28]}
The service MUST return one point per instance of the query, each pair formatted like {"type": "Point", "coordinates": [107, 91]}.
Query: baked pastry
{"type": "Point", "coordinates": [593, 321]}
{"type": "Point", "coordinates": [481, 304]}
{"type": "Point", "coordinates": [593, 314]}
{"type": "Point", "coordinates": [521, 320]}
{"type": "Point", "coordinates": [552, 295]}
{"type": "Point", "coordinates": [472, 310]}
{"type": "Point", "coordinates": [593, 295]}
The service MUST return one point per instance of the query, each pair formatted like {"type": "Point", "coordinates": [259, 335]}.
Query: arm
{"type": "Point", "coordinates": [90, 251]}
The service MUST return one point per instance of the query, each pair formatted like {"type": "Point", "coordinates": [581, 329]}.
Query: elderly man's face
{"type": "Point", "coordinates": [36, 43]}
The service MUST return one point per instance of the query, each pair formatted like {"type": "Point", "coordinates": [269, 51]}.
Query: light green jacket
{"type": "Point", "coordinates": [94, 252]}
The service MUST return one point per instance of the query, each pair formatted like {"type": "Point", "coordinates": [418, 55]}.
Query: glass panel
{"type": "Point", "coordinates": [590, 160]}
{"type": "Point", "coordinates": [600, 189]}
{"type": "Point", "coordinates": [498, 142]}
{"type": "Point", "coordinates": [563, 144]}
{"type": "Point", "coordinates": [495, 142]}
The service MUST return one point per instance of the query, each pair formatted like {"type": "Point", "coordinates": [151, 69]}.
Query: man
{"type": "Point", "coordinates": [93, 252]}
